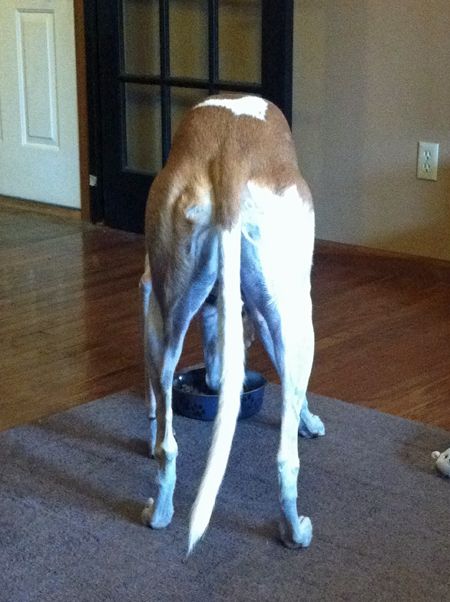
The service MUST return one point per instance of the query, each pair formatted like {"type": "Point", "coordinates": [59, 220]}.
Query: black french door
{"type": "Point", "coordinates": [155, 59]}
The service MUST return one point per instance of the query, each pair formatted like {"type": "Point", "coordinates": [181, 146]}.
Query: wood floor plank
{"type": "Point", "coordinates": [70, 323]}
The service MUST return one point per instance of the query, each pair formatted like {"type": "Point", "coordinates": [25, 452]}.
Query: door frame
{"type": "Point", "coordinates": [89, 109]}
{"type": "Point", "coordinates": [82, 103]}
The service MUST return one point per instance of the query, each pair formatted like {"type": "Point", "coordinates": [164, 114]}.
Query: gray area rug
{"type": "Point", "coordinates": [72, 488]}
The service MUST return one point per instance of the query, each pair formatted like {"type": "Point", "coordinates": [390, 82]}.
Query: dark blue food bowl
{"type": "Point", "coordinates": [191, 396]}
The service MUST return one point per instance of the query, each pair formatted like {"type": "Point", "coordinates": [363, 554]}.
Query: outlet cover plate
{"type": "Point", "coordinates": [427, 160]}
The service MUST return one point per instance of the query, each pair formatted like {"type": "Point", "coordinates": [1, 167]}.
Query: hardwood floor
{"type": "Point", "coordinates": [69, 321]}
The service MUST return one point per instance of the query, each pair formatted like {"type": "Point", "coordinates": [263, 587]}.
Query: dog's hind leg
{"type": "Point", "coordinates": [161, 365]}
{"type": "Point", "coordinates": [292, 337]}
{"type": "Point", "coordinates": [295, 353]}
{"type": "Point", "coordinates": [276, 268]}
{"type": "Point", "coordinates": [145, 287]}
{"type": "Point", "coordinates": [165, 338]}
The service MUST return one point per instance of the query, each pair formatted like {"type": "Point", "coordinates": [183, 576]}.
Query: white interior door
{"type": "Point", "coordinates": [38, 102]}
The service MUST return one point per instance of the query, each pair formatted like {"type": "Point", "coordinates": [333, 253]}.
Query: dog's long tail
{"type": "Point", "coordinates": [232, 378]}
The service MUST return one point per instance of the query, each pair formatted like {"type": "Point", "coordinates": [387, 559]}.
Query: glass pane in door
{"type": "Point", "coordinates": [141, 36]}
{"type": "Point", "coordinates": [142, 128]}
{"type": "Point", "coordinates": [188, 36]}
{"type": "Point", "coordinates": [182, 100]}
{"type": "Point", "coordinates": [240, 28]}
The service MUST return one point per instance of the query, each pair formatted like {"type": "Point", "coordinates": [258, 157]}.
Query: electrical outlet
{"type": "Point", "coordinates": [427, 160]}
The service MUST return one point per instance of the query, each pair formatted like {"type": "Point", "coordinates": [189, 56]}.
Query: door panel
{"type": "Point", "coordinates": [142, 123]}
{"type": "Point", "coordinates": [39, 133]}
{"type": "Point", "coordinates": [240, 32]}
{"type": "Point", "coordinates": [37, 77]}
{"type": "Point", "coordinates": [183, 99]}
{"type": "Point", "coordinates": [158, 58]}
{"type": "Point", "coordinates": [140, 26]}
{"type": "Point", "coordinates": [188, 36]}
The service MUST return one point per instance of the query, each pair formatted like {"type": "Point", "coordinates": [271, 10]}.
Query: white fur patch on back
{"type": "Point", "coordinates": [252, 106]}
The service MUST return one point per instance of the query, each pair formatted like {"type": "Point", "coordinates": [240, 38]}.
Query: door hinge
{"type": "Point", "coordinates": [92, 180]}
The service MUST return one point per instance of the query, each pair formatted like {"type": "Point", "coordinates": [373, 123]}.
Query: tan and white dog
{"type": "Point", "coordinates": [230, 210]}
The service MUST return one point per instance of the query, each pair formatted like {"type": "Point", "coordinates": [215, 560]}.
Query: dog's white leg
{"type": "Point", "coordinates": [164, 344]}
{"type": "Point", "coordinates": [145, 286]}
{"type": "Point", "coordinates": [310, 425]}
{"type": "Point", "coordinates": [295, 361]}
{"type": "Point", "coordinates": [161, 366]}
{"type": "Point", "coordinates": [289, 331]}
{"type": "Point", "coordinates": [210, 332]}
{"type": "Point", "coordinates": [276, 266]}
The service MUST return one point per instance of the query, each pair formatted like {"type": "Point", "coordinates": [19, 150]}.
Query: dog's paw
{"type": "Point", "coordinates": [297, 535]}
{"type": "Point", "coordinates": [311, 426]}
{"type": "Point", "coordinates": [154, 519]}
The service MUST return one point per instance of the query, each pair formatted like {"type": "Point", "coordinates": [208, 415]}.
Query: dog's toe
{"type": "Point", "coordinates": [304, 535]}
{"type": "Point", "coordinates": [311, 426]}
{"type": "Point", "coordinates": [147, 512]}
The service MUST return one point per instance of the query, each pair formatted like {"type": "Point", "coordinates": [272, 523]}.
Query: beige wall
{"type": "Point", "coordinates": [371, 79]}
